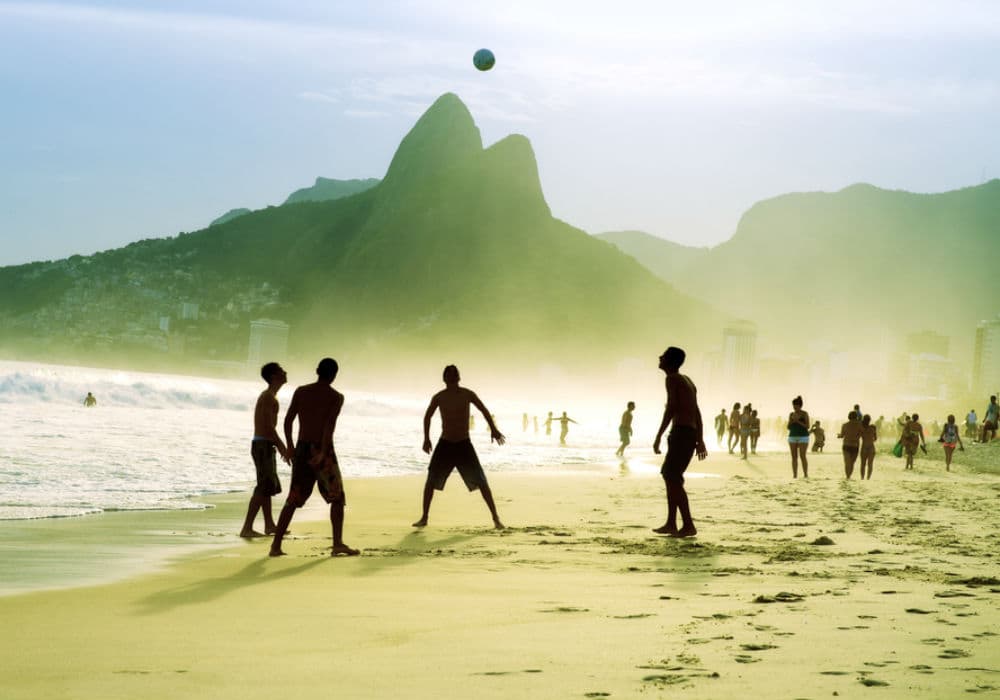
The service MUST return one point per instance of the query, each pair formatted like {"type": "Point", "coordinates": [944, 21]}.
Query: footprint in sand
{"type": "Point", "coordinates": [922, 668]}
{"type": "Point", "coordinates": [757, 647]}
{"type": "Point", "coordinates": [745, 659]}
{"type": "Point", "coordinates": [872, 683]}
{"type": "Point", "coordinates": [597, 694]}
{"type": "Point", "coordinates": [918, 611]}
{"type": "Point", "coordinates": [954, 654]}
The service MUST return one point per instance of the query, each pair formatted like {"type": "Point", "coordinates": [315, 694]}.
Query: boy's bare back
{"type": "Point", "coordinates": [453, 404]}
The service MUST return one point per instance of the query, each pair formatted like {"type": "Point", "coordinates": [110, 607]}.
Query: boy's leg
{"type": "Point", "coordinates": [488, 497]}
{"type": "Point", "coordinates": [337, 525]}
{"type": "Point", "coordinates": [428, 496]}
{"type": "Point", "coordinates": [284, 520]}
{"type": "Point", "coordinates": [252, 509]}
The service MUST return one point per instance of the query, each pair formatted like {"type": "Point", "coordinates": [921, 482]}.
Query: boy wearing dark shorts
{"type": "Point", "coordinates": [317, 406]}
{"type": "Point", "coordinates": [263, 449]}
{"type": "Point", "coordinates": [454, 449]}
{"type": "Point", "coordinates": [685, 440]}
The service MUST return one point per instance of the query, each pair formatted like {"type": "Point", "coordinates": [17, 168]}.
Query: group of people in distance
{"type": "Point", "coordinates": [744, 429]}
{"type": "Point", "coordinates": [313, 459]}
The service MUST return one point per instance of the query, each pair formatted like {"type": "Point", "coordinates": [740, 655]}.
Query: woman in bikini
{"type": "Point", "coordinates": [798, 437]}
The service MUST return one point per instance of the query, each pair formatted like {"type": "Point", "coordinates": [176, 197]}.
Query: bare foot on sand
{"type": "Point", "coordinates": [689, 531]}
{"type": "Point", "coordinates": [345, 550]}
{"type": "Point", "coordinates": [421, 523]}
{"type": "Point", "coordinates": [498, 525]}
{"type": "Point", "coordinates": [275, 553]}
{"type": "Point", "coordinates": [249, 534]}
{"type": "Point", "coordinates": [666, 530]}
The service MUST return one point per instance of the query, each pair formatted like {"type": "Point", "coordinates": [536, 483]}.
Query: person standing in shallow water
{"type": "Point", "coordinates": [263, 447]}
{"type": "Point", "coordinates": [317, 406]}
{"type": "Point", "coordinates": [89, 401]}
{"type": "Point", "coordinates": [869, 436]}
{"type": "Point", "coordinates": [734, 427]}
{"type": "Point", "coordinates": [454, 449]}
{"type": "Point", "coordinates": [625, 429]}
{"type": "Point", "coordinates": [851, 433]}
{"type": "Point", "coordinates": [684, 441]}
{"type": "Point", "coordinates": [564, 422]}
{"type": "Point", "coordinates": [950, 438]}
{"type": "Point", "coordinates": [798, 438]}
{"type": "Point", "coordinates": [819, 437]}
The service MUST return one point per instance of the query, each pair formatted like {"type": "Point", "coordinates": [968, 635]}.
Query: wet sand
{"type": "Point", "coordinates": [804, 589]}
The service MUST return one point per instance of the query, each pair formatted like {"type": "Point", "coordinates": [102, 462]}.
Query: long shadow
{"type": "Point", "coordinates": [253, 574]}
{"type": "Point", "coordinates": [409, 548]}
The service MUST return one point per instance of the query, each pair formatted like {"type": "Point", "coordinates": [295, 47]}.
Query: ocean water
{"type": "Point", "coordinates": [157, 442]}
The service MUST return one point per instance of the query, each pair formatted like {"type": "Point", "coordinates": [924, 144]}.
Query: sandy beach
{"type": "Point", "coordinates": [805, 589]}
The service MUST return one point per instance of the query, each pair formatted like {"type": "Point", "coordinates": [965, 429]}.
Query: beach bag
{"type": "Point", "coordinates": [897, 449]}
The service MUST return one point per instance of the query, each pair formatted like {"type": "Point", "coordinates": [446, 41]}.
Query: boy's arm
{"type": "Point", "coordinates": [293, 411]}
{"type": "Point", "coordinates": [495, 434]}
{"type": "Point", "coordinates": [668, 415]}
{"type": "Point", "coordinates": [267, 405]}
{"type": "Point", "coordinates": [427, 423]}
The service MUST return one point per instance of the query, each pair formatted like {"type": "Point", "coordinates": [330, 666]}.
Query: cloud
{"type": "Point", "coordinates": [314, 96]}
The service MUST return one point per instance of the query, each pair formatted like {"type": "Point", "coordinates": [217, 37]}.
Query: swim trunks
{"type": "Point", "coordinates": [325, 474]}
{"type": "Point", "coordinates": [264, 461]}
{"type": "Point", "coordinates": [451, 455]}
{"type": "Point", "coordinates": [625, 435]}
{"type": "Point", "coordinates": [680, 448]}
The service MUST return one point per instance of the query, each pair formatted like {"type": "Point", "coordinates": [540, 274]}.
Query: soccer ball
{"type": "Point", "coordinates": [483, 59]}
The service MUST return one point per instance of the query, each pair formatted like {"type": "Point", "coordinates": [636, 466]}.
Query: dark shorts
{"type": "Point", "coordinates": [452, 455]}
{"type": "Point", "coordinates": [680, 449]}
{"type": "Point", "coordinates": [624, 435]}
{"type": "Point", "coordinates": [263, 453]}
{"type": "Point", "coordinates": [325, 474]}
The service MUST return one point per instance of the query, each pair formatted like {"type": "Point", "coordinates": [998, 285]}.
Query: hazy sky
{"type": "Point", "coordinates": [128, 120]}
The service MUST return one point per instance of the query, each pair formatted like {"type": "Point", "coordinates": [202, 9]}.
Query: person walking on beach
{"type": "Point", "coordinates": [851, 433]}
{"type": "Point", "coordinates": [950, 438]}
{"type": "Point", "coordinates": [263, 447]}
{"type": "Point", "coordinates": [454, 448]}
{"type": "Point", "coordinates": [564, 422]}
{"type": "Point", "coordinates": [548, 424]}
{"type": "Point", "coordinates": [912, 438]}
{"type": "Point", "coordinates": [89, 401]}
{"type": "Point", "coordinates": [721, 421]}
{"type": "Point", "coordinates": [625, 429]}
{"type": "Point", "coordinates": [798, 438]}
{"type": "Point", "coordinates": [990, 420]}
{"type": "Point", "coordinates": [744, 430]}
{"type": "Point", "coordinates": [684, 441]}
{"type": "Point", "coordinates": [869, 436]}
{"type": "Point", "coordinates": [734, 427]}
{"type": "Point", "coordinates": [754, 431]}
{"type": "Point", "coordinates": [317, 406]}
{"type": "Point", "coordinates": [971, 421]}
{"type": "Point", "coordinates": [819, 437]}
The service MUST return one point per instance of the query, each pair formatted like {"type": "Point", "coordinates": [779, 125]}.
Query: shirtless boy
{"type": "Point", "coordinates": [625, 429]}
{"type": "Point", "coordinates": [851, 433]}
{"type": "Point", "coordinates": [263, 448]}
{"type": "Point", "coordinates": [684, 441]}
{"type": "Point", "coordinates": [454, 448]}
{"type": "Point", "coordinates": [317, 406]}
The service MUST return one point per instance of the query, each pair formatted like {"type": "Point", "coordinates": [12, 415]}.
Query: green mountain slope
{"type": "Point", "coordinates": [855, 267]}
{"type": "Point", "coordinates": [454, 254]}
{"type": "Point", "coordinates": [325, 189]}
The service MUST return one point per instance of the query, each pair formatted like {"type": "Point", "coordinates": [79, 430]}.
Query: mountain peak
{"type": "Point", "coordinates": [444, 135]}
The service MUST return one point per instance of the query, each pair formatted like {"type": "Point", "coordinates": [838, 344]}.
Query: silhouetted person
{"type": "Point", "coordinates": [454, 449]}
{"type": "Point", "coordinates": [879, 424]}
{"type": "Point", "coordinates": [798, 437]}
{"type": "Point", "coordinates": [754, 431]}
{"type": "Point", "coordinates": [548, 424]}
{"type": "Point", "coordinates": [819, 437]}
{"type": "Point", "coordinates": [949, 439]}
{"type": "Point", "coordinates": [869, 436]}
{"type": "Point", "coordinates": [89, 401]}
{"type": "Point", "coordinates": [524, 423]}
{"type": "Point", "coordinates": [734, 427]}
{"type": "Point", "coordinates": [317, 406]}
{"type": "Point", "coordinates": [912, 438]}
{"type": "Point", "coordinates": [684, 441]}
{"type": "Point", "coordinates": [263, 448]}
{"type": "Point", "coordinates": [851, 434]}
{"type": "Point", "coordinates": [625, 428]}
{"type": "Point", "coordinates": [990, 420]}
{"type": "Point", "coordinates": [564, 422]}
{"type": "Point", "coordinates": [535, 420]}
{"type": "Point", "coordinates": [745, 420]}
{"type": "Point", "coordinates": [721, 421]}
